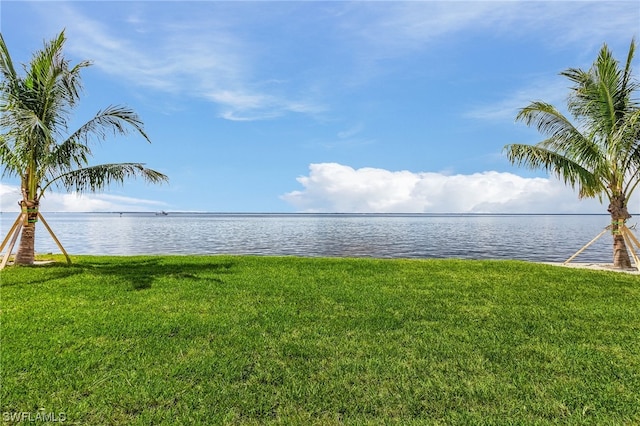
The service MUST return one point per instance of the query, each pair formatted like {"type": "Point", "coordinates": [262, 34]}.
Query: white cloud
{"type": "Point", "coordinates": [239, 106]}
{"type": "Point", "coordinates": [351, 131]}
{"type": "Point", "coordinates": [200, 51]}
{"type": "Point", "coordinates": [552, 90]}
{"type": "Point", "coordinates": [407, 25]}
{"type": "Point", "coordinates": [397, 27]}
{"type": "Point", "coordinates": [332, 187]}
{"type": "Point", "coordinates": [59, 202]}
{"type": "Point", "coordinates": [199, 58]}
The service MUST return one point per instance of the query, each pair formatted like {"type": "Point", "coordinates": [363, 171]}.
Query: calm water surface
{"type": "Point", "coordinates": [526, 237]}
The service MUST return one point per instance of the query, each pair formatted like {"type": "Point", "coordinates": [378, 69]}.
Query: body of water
{"type": "Point", "coordinates": [546, 238]}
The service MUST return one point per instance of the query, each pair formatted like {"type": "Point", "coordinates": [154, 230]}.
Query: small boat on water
{"type": "Point", "coordinates": [162, 213]}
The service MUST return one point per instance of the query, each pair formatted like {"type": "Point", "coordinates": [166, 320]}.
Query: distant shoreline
{"type": "Point", "coordinates": [196, 213]}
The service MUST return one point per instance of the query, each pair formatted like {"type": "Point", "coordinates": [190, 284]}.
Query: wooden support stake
{"type": "Point", "coordinates": [13, 243]}
{"type": "Point", "coordinates": [633, 237]}
{"type": "Point", "coordinates": [46, 225]}
{"type": "Point", "coordinates": [625, 234]}
{"type": "Point", "coordinates": [587, 245]}
{"type": "Point", "coordinates": [10, 233]}
{"type": "Point", "coordinates": [627, 240]}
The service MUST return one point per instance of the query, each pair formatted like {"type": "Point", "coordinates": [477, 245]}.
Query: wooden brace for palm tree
{"type": "Point", "coordinates": [630, 239]}
{"type": "Point", "coordinates": [14, 233]}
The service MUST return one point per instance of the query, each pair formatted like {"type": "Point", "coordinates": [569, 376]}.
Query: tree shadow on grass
{"type": "Point", "coordinates": [39, 274]}
{"type": "Point", "coordinates": [141, 273]}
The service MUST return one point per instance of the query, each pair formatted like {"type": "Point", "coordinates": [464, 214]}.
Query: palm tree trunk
{"type": "Point", "coordinates": [620, 254]}
{"type": "Point", "coordinates": [26, 249]}
{"type": "Point", "coordinates": [619, 215]}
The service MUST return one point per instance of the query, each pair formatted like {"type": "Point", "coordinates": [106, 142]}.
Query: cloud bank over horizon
{"type": "Point", "coordinates": [338, 188]}
{"type": "Point", "coordinates": [333, 187]}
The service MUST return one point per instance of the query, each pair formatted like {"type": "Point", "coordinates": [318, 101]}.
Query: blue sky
{"type": "Point", "coordinates": [324, 106]}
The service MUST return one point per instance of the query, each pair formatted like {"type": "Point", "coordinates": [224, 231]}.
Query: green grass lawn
{"type": "Point", "coordinates": [285, 340]}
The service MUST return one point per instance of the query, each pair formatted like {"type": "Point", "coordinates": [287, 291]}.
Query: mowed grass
{"type": "Point", "coordinates": [284, 340]}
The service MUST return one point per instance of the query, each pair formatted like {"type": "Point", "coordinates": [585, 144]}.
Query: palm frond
{"type": "Point", "coordinates": [68, 156]}
{"type": "Point", "coordinates": [7, 69]}
{"type": "Point", "coordinates": [602, 96]}
{"type": "Point", "coordinates": [549, 121]}
{"type": "Point", "coordinates": [31, 141]}
{"type": "Point", "coordinates": [564, 137]}
{"type": "Point", "coordinates": [72, 81]}
{"type": "Point", "coordinates": [629, 136]}
{"type": "Point", "coordinates": [571, 172]}
{"type": "Point", "coordinates": [114, 120]}
{"type": "Point", "coordinates": [96, 178]}
{"type": "Point", "coordinates": [10, 164]}
{"type": "Point", "coordinates": [627, 68]}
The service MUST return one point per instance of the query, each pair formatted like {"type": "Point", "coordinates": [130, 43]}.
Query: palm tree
{"type": "Point", "coordinates": [36, 144]}
{"type": "Point", "coordinates": [600, 152]}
